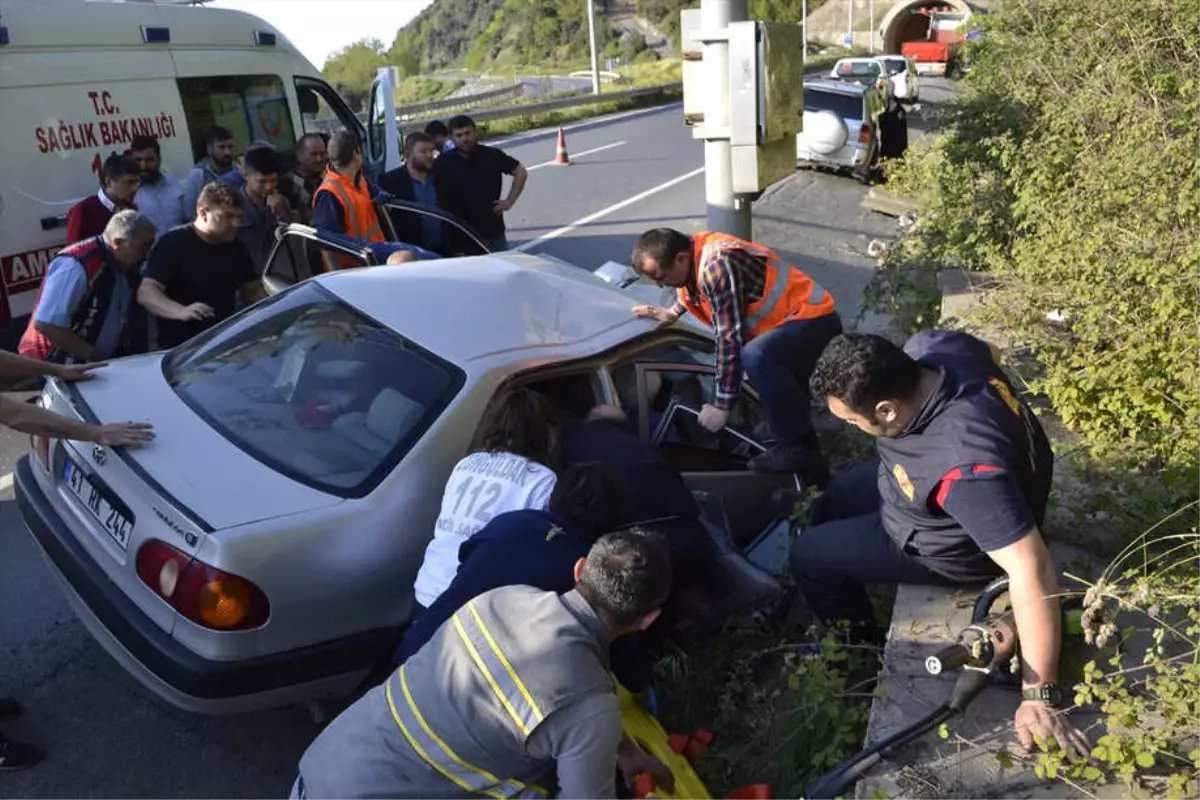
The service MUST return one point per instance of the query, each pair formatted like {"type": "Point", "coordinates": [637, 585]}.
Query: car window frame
{"type": "Point", "coordinates": [311, 234]}
{"type": "Point", "coordinates": [428, 420]}
{"type": "Point", "coordinates": [643, 399]}
{"type": "Point", "coordinates": [462, 225]}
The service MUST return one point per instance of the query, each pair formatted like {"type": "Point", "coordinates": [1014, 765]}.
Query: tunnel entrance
{"type": "Point", "coordinates": [912, 21]}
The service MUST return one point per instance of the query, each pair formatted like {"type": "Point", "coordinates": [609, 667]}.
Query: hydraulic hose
{"type": "Point", "coordinates": [968, 686]}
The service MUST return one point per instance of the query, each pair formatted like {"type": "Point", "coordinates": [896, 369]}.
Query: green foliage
{"type": "Point", "coordinates": [1067, 172]}
{"type": "Point", "coordinates": [352, 69]}
{"type": "Point", "coordinates": [665, 13]}
{"type": "Point", "coordinates": [536, 31]}
{"type": "Point", "coordinates": [443, 33]}
{"type": "Point", "coordinates": [424, 90]}
{"type": "Point", "coordinates": [1144, 615]}
{"type": "Point", "coordinates": [778, 716]}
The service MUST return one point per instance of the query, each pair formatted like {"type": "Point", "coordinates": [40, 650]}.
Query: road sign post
{"type": "Point", "coordinates": [724, 211]}
{"type": "Point", "coordinates": [741, 98]}
{"type": "Point", "coordinates": [591, 12]}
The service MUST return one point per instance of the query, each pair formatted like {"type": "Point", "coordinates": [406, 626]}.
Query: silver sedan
{"type": "Point", "coordinates": [262, 550]}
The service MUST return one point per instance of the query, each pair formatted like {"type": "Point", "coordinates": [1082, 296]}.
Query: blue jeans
{"type": "Point", "coordinates": [779, 364]}
{"type": "Point", "coordinates": [847, 546]}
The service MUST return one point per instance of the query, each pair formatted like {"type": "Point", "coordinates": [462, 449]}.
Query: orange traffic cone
{"type": "Point", "coordinates": [560, 155]}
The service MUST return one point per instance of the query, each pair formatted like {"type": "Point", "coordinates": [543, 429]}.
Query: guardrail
{"type": "Point", "coordinates": [465, 101]}
{"type": "Point", "coordinates": [529, 109]}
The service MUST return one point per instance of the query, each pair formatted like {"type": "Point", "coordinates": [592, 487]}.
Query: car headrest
{"type": "Point", "coordinates": [391, 415]}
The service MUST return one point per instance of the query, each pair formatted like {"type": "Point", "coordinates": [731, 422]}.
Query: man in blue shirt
{"type": "Point", "coordinates": [957, 496]}
{"type": "Point", "coordinates": [538, 548]}
{"type": "Point", "coordinates": [531, 547]}
{"type": "Point", "coordinates": [413, 181]}
{"type": "Point", "coordinates": [85, 304]}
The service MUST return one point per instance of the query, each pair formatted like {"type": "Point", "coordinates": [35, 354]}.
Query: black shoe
{"type": "Point", "coordinates": [15, 755]}
{"type": "Point", "coordinates": [800, 459]}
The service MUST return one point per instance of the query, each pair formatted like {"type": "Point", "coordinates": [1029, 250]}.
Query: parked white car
{"type": "Point", "coordinates": [867, 72]}
{"type": "Point", "coordinates": [902, 72]}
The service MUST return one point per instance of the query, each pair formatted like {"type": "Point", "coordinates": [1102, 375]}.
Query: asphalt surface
{"type": "Point", "coordinates": [105, 737]}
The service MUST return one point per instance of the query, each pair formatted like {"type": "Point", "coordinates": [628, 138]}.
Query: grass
{"type": "Point", "coordinates": [779, 716]}
{"type": "Point", "coordinates": [425, 90]}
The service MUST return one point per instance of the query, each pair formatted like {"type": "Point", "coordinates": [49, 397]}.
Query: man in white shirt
{"type": "Point", "coordinates": [159, 196]}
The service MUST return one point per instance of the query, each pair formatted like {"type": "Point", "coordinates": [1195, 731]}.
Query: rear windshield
{"type": "Point", "coordinates": [845, 106]}
{"type": "Point", "coordinates": [895, 66]}
{"type": "Point", "coordinates": [313, 389]}
{"type": "Point", "coordinates": [858, 69]}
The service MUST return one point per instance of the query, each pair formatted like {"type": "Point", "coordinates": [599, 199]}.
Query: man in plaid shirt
{"type": "Point", "coordinates": [769, 320]}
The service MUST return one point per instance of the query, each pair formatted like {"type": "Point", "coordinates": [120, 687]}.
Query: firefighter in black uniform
{"type": "Point", "coordinates": [957, 496]}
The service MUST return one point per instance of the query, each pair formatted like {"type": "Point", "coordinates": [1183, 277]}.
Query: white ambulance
{"type": "Point", "coordinates": [80, 78]}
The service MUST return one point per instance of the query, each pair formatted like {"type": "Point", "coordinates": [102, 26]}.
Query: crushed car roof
{"type": "Point", "coordinates": [467, 308]}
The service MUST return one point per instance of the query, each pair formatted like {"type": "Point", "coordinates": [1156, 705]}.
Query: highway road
{"type": "Point", "coordinates": [107, 738]}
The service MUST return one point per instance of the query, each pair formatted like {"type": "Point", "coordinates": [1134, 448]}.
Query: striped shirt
{"type": "Point", "coordinates": [730, 279]}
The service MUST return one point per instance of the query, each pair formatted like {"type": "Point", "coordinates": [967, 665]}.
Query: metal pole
{"type": "Point", "coordinates": [725, 213]}
{"type": "Point", "coordinates": [850, 23]}
{"type": "Point", "coordinates": [804, 30]}
{"type": "Point", "coordinates": [591, 12]}
{"type": "Point", "coordinates": [872, 27]}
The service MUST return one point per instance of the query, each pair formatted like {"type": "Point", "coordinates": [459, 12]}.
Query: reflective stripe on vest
{"type": "Point", "coordinates": [439, 755]}
{"type": "Point", "coordinates": [356, 228]}
{"type": "Point", "coordinates": [508, 687]}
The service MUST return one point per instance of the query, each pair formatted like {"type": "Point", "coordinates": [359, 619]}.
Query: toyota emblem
{"type": "Point", "coordinates": [98, 455]}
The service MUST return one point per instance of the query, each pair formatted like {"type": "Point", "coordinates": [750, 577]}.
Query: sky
{"type": "Point", "coordinates": [321, 27]}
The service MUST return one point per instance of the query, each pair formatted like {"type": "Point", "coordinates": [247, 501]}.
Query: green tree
{"type": "Point", "coordinates": [353, 69]}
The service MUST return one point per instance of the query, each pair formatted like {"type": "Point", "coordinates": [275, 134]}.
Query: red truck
{"type": "Point", "coordinates": [931, 58]}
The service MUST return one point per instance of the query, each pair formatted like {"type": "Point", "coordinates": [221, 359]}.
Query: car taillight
{"type": "Point", "coordinates": [206, 595]}
{"type": "Point", "coordinates": [40, 445]}
{"type": "Point", "coordinates": [864, 133]}
{"type": "Point", "coordinates": [41, 448]}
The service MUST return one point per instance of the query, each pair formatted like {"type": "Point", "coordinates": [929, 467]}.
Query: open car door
{"type": "Point", "coordinates": [662, 387]}
{"type": "Point", "coordinates": [414, 223]}
{"type": "Point", "coordinates": [302, 252]}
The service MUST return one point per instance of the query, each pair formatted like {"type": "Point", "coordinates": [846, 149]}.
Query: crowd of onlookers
{"type": "Point", "coordinates": [151, 259]}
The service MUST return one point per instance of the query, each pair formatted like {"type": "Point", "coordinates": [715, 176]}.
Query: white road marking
{"type": "Point", "coordinates": [580, 155]}
{"type": "Point", "coordinates": [604, 212]}
{"type": "Point", "coordinates": [549, 130]}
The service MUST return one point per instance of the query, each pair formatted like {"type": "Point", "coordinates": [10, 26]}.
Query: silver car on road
{"type": "Point", "coordinates": [262, 550]}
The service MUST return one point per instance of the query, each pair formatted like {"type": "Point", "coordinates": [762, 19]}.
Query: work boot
{"type": "Point", "coordinates": [803, 460]}
{"type": "Point", "coordinates": [15, 755]}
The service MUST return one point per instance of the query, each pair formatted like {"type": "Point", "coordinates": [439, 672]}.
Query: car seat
{"type": "Point", "coordinates": [381, 426]}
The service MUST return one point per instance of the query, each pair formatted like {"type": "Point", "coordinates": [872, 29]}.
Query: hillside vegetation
{"type": "Point", "coordinates": [480, 34]}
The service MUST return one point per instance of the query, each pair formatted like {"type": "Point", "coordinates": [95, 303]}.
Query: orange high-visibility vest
{"type": "Point", "coordinates": [357, 210]}
{"type": "Point", "coordinates": [788, 294]}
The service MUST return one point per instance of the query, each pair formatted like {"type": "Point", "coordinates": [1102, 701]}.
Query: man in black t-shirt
{"type": "Point", "coordinates": [470, 178]}
{"type": "Point", "coordinates": [197, 271]}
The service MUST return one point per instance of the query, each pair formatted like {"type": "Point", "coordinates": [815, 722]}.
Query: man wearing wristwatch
{"type": "Point", "coordinates": [957, 496]}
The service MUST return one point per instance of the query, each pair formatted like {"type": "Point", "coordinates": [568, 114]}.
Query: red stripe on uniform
{"type": "Point", "coordinates": [947, 481]}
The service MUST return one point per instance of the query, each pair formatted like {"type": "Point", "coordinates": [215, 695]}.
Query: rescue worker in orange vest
{"type": "Point", "coordinates": [344, 206]}
{"type": "Point", "coordinates": [768, 319]}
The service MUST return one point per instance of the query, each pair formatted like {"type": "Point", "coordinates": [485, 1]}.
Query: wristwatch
{"type": "Point", "coordinates": [1048, 693]}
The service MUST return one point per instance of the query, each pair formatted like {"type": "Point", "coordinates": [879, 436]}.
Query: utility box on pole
{"type": "Point", "coordinates": [749, 114]}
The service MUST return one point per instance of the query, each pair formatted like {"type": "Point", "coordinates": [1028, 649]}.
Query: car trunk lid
{"type": "Point", "coordinates": [188, 465]}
